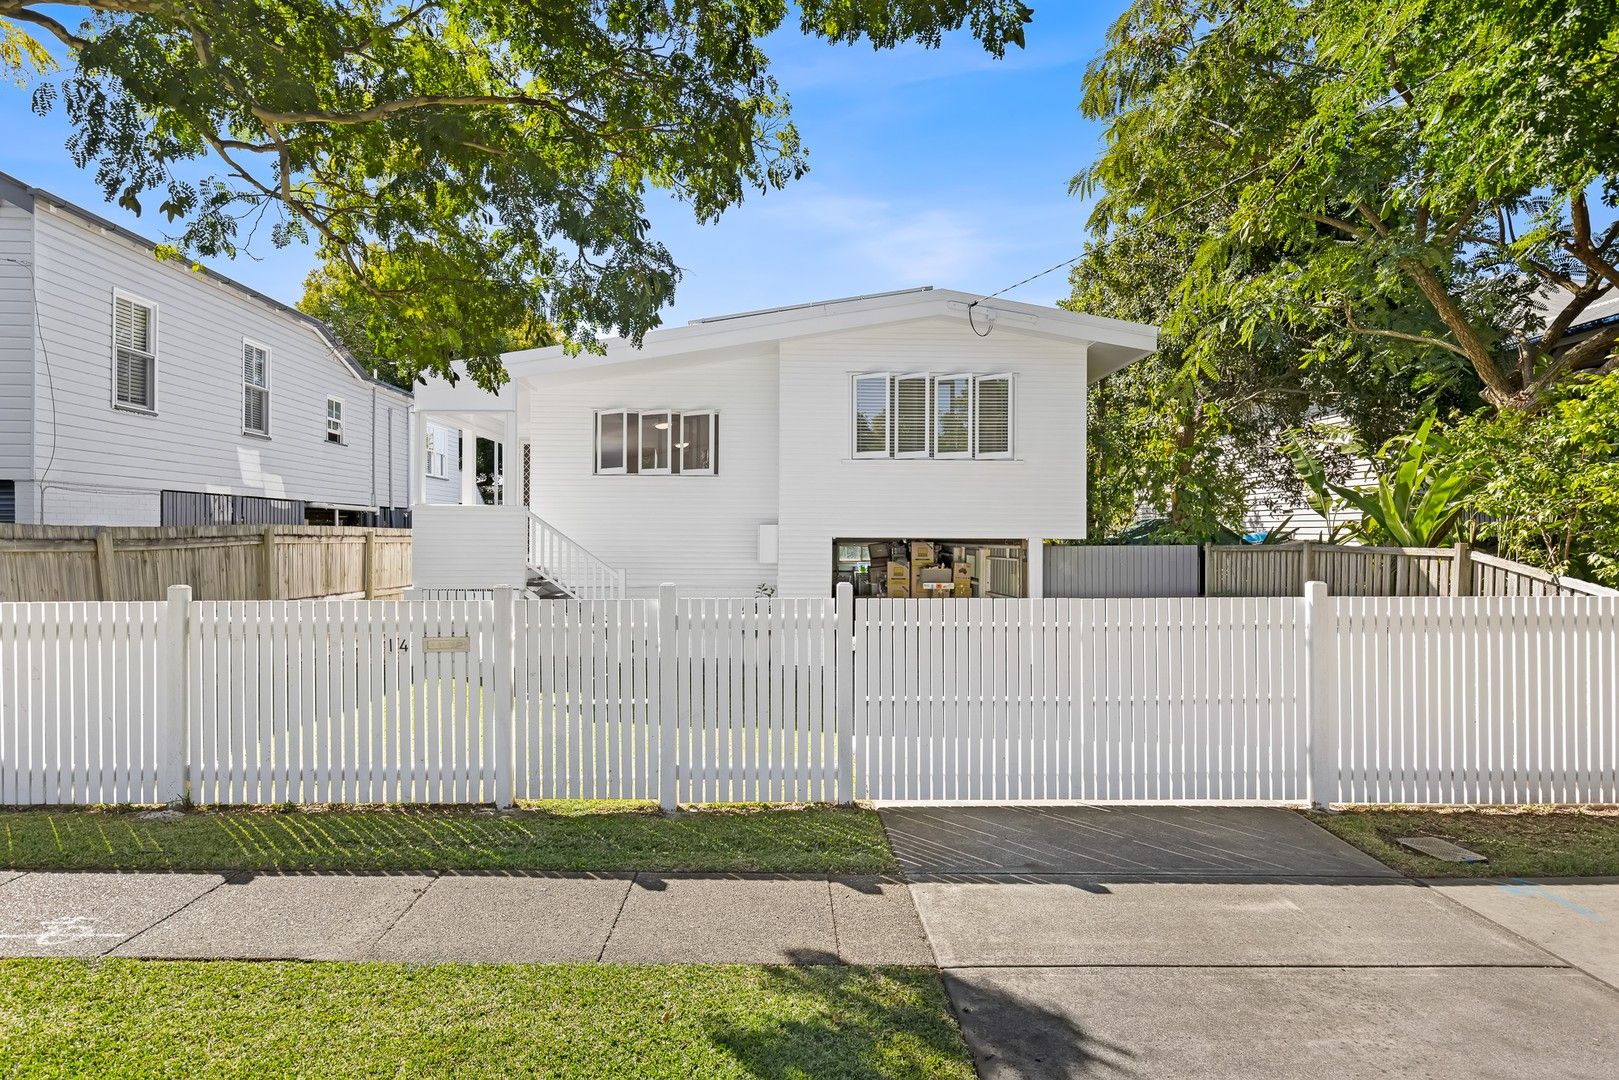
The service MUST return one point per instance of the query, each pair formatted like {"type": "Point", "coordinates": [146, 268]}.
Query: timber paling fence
{"type": "Point", "coordinates": [219, 562]}
{"type": "Point", "coordinates": [1277, 700]}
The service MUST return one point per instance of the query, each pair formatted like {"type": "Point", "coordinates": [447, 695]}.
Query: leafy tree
{"type": "Point", "coordinates": [361, 321]}
{"type": "Point", "coordinates": [469, 166]}
{"type": "Point", "coordinates": [1419, 174]}
{"type": "Point", "coordinates": [1549, 480]}
{"type": "Point", "coordinates": [1199, 436]}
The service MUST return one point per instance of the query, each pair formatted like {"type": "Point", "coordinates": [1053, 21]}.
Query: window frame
{"type": "Point", "coordinates": [926, 379]}
{"type": "Point", "coordinates": [668, 441]}
{"type": "Point", "coordinates": [972, 413]}
{"type": "Point", "coordinates": [624, 448]}
{"type": "Point", "coordinates": [432, 450]}
{"type": "Point", "coordinates": [711, 416]}
{"type": "Point", "coordinates": [1011, 416]}
{"type": "Point", "coordinates": [888, 414]}
{"type": "Point", "coordinates": [151, 355]}
{"type": "Point", "coordinates": [342, 421]}
{"type": "Point", "coordinates": [249, 343]}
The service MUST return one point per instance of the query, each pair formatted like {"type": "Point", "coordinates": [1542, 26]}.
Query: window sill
{"type": "Point", "coordinates": [137, 410]}
{"type": "Point", "coordinates": [262, 435]}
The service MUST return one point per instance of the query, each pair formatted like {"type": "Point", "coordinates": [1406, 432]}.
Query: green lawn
{"type": "Point", "coordinates": [1519, 842]}
{"type": "Point", "coordinates": [218, 1019]}
{"type": "Point", "coordinates": [551, 836]}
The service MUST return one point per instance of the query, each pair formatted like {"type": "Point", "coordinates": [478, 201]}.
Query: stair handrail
{"type": "Point", "coordinates": [597, 579]}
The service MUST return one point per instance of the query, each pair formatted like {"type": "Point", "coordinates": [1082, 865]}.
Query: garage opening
{"type": "Point", "coordinates": [903, 567]}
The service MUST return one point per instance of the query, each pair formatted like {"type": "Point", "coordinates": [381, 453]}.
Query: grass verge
{"type": "Point", "coordinates": [549, 836]}
{"type": "Point", "coordinates": [219, 1019]}
{"type": "Point", "coordinates": [1518, 841]}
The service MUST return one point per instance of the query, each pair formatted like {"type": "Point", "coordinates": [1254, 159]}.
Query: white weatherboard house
{"type": "Point", "coordinates": [779, 451]}
{"type": "Point", "coordinates": [135, 391]}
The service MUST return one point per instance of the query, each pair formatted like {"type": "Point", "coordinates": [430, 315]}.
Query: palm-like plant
{"type": "Point", "coordinates": [1418, 500]}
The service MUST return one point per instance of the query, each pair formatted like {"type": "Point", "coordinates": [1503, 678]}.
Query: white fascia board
{"type": "Point", "coordinates": [833, 317]}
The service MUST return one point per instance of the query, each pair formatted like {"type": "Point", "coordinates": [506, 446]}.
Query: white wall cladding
{"type": "Point", "coordinates": [16, 352]}
{"type": "Point", "coordinates": [702, 531]}
{"type": "Point", "coordinates": [827, 493]}
{"type": "Point", "coordinates": [468, 547]}
{"type": "Point", "coordinates": [195, 442]}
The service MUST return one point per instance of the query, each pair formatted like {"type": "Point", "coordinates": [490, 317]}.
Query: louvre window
{"type": "Point", "coordinates": [939, 416]}
{"type": "Point", "coordinates": [134, 335]}
{"type": "Point", "coordinates": [872, 404]}
{"type": "Point", "coordinates": [255, 389]}
{"type": "Point", "coordinates": [911, 416]}
{"type": "Point", "coordinates": [8, 501]}
{"type": "Point", "coordinates": [994, 416]}
{"type": "Point", "coordinates": [334, 420]}
{"type": "Point", "coordinates": [658, 443]}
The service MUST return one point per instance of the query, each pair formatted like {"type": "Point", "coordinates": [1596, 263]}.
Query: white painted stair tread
{"type": "Point", "coordinates": [1440, 848]}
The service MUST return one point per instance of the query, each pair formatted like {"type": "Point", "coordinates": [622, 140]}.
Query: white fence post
{"type": "Point", "coordinates": [173, 727]}
{"type": "Point", "coordinates": [505, 599]}
{"type": "Point", "coordinates": [668, 712]}
{"type": "Point", "coordinates": [1321, 707]}
{"type": "Point", "coordinates": [843, 653]}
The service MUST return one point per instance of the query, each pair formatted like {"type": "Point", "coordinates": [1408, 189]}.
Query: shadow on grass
{"type": "Point", "coordinates": [902, 1022]}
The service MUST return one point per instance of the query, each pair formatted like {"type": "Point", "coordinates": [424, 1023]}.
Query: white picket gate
{"type": "Point", "coordinates": [1429, 699]}
{"type": "Point", "coordinates": [1158, 700]}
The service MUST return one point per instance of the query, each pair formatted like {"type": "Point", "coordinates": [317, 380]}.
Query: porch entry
{"type": "Point", "coordinates": [1258, 700]}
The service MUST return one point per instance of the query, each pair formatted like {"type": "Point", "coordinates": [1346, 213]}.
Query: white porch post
{"type": "Point", "coordinates": [511, 464]}
{"type": "Point", "coordinates": [416, 459]}
{"type": "Point", "coordinates": [1034, 569]}
{"type": "Point", "coordinates": [469, 467]}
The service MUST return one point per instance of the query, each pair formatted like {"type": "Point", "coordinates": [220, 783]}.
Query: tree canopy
{"type": "Point", "coordinates": [463, 166]}
{"type": "Point", "coordinates": [1200, 436]}
{"type": "Point", "coordinates": [1422, 174]}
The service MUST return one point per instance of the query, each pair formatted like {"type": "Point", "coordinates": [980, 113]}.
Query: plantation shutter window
{"type": "Point", "coordinates": [255, 389]}
{"type": "Point", "coordinates": [910, 416]}
{"type": "Point", "coordinates": [334, 426]}
{"type": "Point", "coordinates": [952, 416]}
{"type": "Point", "coordinates": [872, 395]}
{"type": "Point", "coordinates": [993, 416]}
{"type": "Point", "coordinates": [134, 332]}
{"type": "Point", "coordinates": [611, 442]}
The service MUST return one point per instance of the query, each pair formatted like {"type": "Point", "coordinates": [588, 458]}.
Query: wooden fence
{"type": "Point", "coordinates": [1349, 570]}
{"type": "Point", "coordinates": [1276, 700]}
{"type": "Point", "coordinates": [218, 562]}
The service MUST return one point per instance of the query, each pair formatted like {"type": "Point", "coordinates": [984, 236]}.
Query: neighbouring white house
{"type": "Point", "coordinates": [135, 391]}
{"type": "Point", "coordinates": [780, 451]}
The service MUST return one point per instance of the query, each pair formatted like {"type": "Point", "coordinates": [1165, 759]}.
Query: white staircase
{"type": "Point", "coordinates": [567, 567]}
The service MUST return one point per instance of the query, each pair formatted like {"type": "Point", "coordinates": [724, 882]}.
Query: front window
{"type": "Point", "coordinates": [932, 416]}
{"type": "Point", "coordinates": [657, 442]}
{"type": "Point", "coordinates": [438, 458]}
{"type": "Point", "coordinates": [660, 442]}
{"type": "Point", "coordinates": [872, 399]}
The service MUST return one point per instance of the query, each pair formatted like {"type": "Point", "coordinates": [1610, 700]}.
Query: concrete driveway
{"type": "Point", "coordinates": [1236, 942]}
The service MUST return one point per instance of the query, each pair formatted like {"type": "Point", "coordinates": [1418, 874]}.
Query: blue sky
{"type": "Point", "coordinates": [927, 167]}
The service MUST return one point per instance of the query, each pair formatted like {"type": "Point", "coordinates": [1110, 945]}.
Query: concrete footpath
{"type": "Point", "coordinates": [1242, 942]}
{"type": "Point", "coordinates": [1073, 941]}
{"type": "Point", "coordinates": [531, 918]}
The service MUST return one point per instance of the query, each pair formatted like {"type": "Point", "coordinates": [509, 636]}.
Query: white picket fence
{"type": "Point", "coordinates": [1276, 700]}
